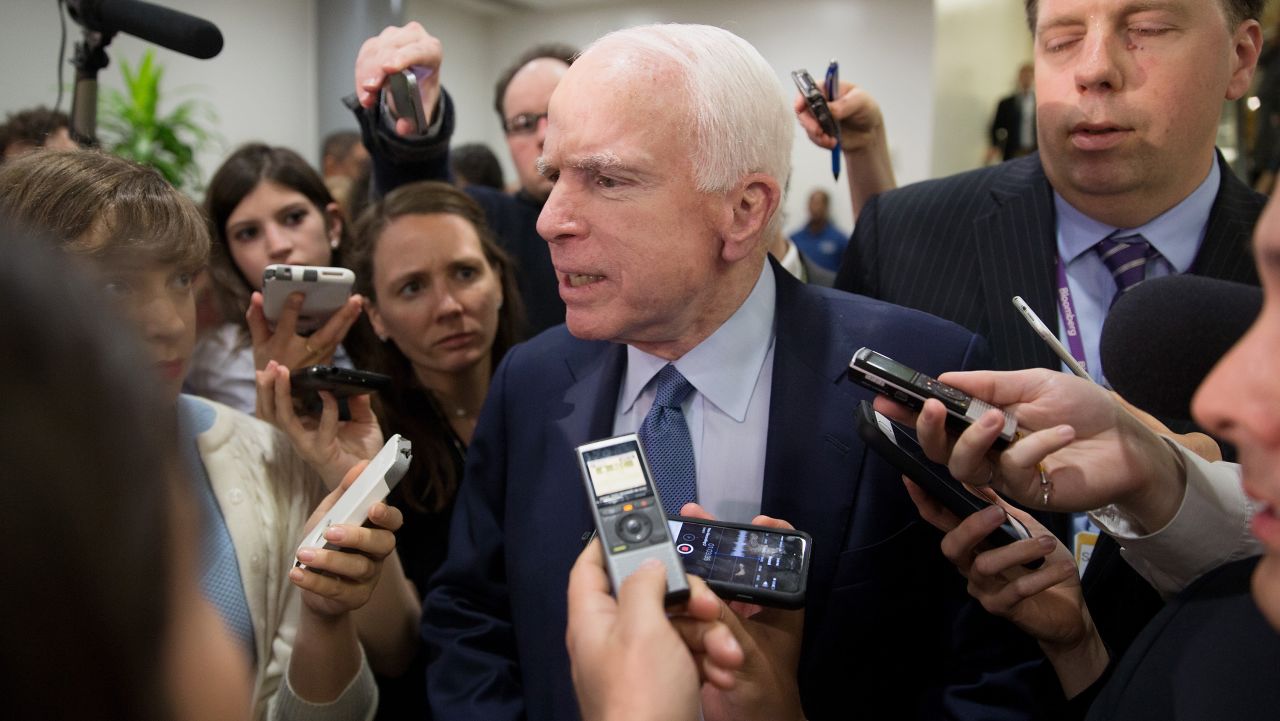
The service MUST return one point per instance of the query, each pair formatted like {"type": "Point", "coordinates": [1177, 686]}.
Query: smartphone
{"type": "Point", "coordinates": [374, 484]}
{"type": "Point", "coordinates": [628, 513]}
{"type": "Point", "coordinates": [888, 377]}
{"type": "Point", "coordinates": [742, 562]}
{"type": "Point", "coordinates": [326, 290]}
{"type": "Point", "coordinates": [817, 103]}
{"type": "Point", "coordinates": [401, 99]}
{"type": "Point", "coordinates": [897, 445]}
{"type": "Point", "coordinates": [306, 383]}
{"type": "Point", "coordinates": [1047, 336]}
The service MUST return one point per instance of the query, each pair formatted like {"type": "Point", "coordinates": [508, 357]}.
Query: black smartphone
{"type": "Point", "coordinates": [305, 383]}
{"type": "Point", "coordinates": [816, 101]}
{"type": "Point", "coordinates": [742, 562]}
{"type": "Point", "coordinates": [898, 445]}
{"type": "Point", "coordinates": [888, 377]}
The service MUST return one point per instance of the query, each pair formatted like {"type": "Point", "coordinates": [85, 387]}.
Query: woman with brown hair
{"type": "Point", "coordinates": [265, 205]}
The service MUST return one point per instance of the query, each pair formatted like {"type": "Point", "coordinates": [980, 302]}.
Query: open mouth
{"type": "Point", "coordinates": [577, 280]}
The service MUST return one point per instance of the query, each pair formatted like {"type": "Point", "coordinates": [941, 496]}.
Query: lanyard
{"type": "Point", "coordinates": [1067, 311]}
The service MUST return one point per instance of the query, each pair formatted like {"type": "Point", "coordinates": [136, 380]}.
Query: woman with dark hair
{"type": "Point", "coordinates": [265, 205]}
{"type": "Point", "coordinates": [144, 242]}
{"type": "Point", "coordinates": [442, 308]}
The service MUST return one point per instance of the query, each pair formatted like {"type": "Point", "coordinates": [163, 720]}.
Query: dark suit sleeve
{"type": "Point", "coordinates": [398, 161]}
{"type": "Point", "coordinates": [857, 268]}
{"type": "Point", "coordinates": [473, 671]}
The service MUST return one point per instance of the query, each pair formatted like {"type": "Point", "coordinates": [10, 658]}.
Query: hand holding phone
{"type": "Point", "coordinates": [890, 378]}
{"type": "Point", "coordinates": [817, 103]}
{"type": "Point", "coordinates": [326, 290]}
{"type": "Point", "coordinates": [897, 445]}
{"type": "Point", "coordinates": [743, 562]}
{"type": "Point", "coordinates": [401, 100]}
{"type": "Point", "coordinates": [628, 512]}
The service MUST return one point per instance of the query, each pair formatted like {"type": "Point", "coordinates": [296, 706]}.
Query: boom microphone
{"type": "Point", "coordinates": [167, 28]}
{"type": "Point", "coordinates": [1161, 339]}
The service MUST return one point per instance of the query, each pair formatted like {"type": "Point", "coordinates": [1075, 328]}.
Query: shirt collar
{"type": "Point", "coordinates": [725, 366]}
{"type": "Point", "coordinates": [1167, 232]}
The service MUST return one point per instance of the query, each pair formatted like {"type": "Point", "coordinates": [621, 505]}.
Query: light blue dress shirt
{"type": "Point", "coordinates": [1176, 234]}
{"type": "Point", "coordinates": [728, 411]}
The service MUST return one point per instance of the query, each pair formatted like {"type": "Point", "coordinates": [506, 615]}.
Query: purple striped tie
{"type": "Point", "coordinates": [1126, 257]}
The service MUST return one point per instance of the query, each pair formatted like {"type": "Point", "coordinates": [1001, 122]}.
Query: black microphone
{"type": "Point", "coordinates": [167, 28]}
{"type": "Point", "coordinates": [1162, 337]}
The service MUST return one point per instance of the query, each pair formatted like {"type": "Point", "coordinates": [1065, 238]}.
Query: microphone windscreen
{"type": "Point", "coordinates": [1161, 338]}
{"type": "Point", "coordinates": [163, 26]}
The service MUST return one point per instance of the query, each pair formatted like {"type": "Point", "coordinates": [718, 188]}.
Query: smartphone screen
{"type": "Point", "coordinates": [766, 560]}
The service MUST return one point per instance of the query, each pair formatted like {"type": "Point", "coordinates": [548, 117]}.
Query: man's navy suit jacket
{"type": "Point", "coordinates": [885, 612]}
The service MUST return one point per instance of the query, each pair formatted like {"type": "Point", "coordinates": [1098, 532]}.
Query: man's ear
{"type": "Point", "coordinates": [1246, 48]}
{"type": "Point", "coordinates": [752, 203]}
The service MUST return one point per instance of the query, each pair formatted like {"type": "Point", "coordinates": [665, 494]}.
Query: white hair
{"type": "Point", "coordinates": [741, 120]}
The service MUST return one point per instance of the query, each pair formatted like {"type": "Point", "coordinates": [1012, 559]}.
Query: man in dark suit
{"type": "Point", "coordinates": [1126, 155]}
{"type": "Point", "coordinates": [657, 225]}
{"type": "Point", "coordinates": [1013, 128]}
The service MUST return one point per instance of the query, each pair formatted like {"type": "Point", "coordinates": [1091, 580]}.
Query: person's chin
{"type": "Point", "coordinates": [1266, 588]}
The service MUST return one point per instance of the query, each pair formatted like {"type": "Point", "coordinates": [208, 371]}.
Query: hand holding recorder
{"type": "Point", "coordinates": [341, 575]}
{"type": "Point", "coordinates": [629, 659]}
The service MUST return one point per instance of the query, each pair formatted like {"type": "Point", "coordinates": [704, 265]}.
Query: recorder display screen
{"type": "Point", "coordinates": [614, 469]}
{"type": "Point", "coordinates": [744, 557]}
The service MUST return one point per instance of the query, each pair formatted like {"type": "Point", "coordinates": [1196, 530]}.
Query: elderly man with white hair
{"type": "Point", "coordinates": [669, 147]}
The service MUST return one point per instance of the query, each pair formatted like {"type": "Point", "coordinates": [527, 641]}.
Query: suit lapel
{"type": "Point", "coordinates": [813, 456]}
{"type": "Point", "coordinates": [1225, 252]}
{"type": "Point", "coordinates": [1016, 246]}
{"type": "Point", "coordinates": [592, 397]}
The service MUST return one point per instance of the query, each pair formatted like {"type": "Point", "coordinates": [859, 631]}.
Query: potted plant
{"type": "Point", "coordinates": [132, 125]}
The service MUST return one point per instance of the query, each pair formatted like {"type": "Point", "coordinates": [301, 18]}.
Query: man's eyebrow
{"type": "Point", "coordinates": [592, 163]}
{"type": "Point", "coordinates": [1132, 8]}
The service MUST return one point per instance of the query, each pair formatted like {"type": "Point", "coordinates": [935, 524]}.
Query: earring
{"type": "Point", "coordinates": [382, 338]}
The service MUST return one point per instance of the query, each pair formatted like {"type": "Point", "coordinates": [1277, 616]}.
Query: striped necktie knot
{"type": "Point", "coordinates": [1126, 257]}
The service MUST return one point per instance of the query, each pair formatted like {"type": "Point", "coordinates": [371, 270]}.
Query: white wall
{"type": "Point", "coordinates": [886, 45]}
{"type": "Point", "coordinates": [980, 44]}
{"type": "Point", "coordinates": [262, 85]}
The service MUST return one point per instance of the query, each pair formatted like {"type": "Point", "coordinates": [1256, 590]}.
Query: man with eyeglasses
{"type": "Point", "coordinates": [401, 154]}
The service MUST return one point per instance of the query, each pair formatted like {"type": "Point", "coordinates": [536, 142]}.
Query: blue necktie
{"type": "Point", "coordinates": [665, 438]}
{"type": "Point", "coordinates": [1126, 257]}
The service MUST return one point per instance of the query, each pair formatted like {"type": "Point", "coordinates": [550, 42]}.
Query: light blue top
{"type": "Point", "coordinates": [728, 411]}
{"type": "Point", "coordinates": [219, 570]}
{"type": "Point", "coordinates": [1176, 234]}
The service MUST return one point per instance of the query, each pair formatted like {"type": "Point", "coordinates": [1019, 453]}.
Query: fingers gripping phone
{"type": "Point", "coordinates": [401, 99]}
{"type": "Point", "coordinates": [817, 103]}
{"type": "Point", "coordinates": [742, 562]}
{"type": "Point", "coordinates": [890, 378]}
{"type": "Point", "coordinates": [899, 447]}
{"type": "Point", "coordinates": [628, 512]}
{"type": "Point", "coordinates": [326, 290]}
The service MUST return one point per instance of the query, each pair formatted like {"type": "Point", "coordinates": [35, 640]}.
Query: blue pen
{"type": "Point", "coordinates": [832, 83]}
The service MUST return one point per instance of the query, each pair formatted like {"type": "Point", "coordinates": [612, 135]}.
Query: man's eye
{"type": "Point", "coordinates": [117, 288]}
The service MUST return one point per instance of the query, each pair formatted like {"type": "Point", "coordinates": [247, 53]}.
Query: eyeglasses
{"type": "Point", "coordinates": [524, 123]}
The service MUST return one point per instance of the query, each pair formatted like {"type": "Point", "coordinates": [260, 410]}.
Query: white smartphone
{"type": "Point", "coordinates": [1047, 336]}
{"type": "Point", "coordinates": [326, 290]}
{"type": "Point", "coordinates": [373, 485]}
